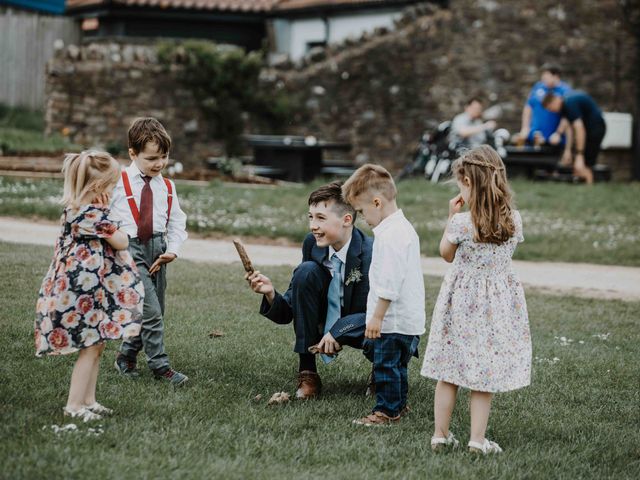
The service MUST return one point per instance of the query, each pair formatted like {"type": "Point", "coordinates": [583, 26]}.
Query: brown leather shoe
{"type": "Point", "coordinates": [376, 419]}
{"type": "Point", "coordinates": [309, 385]}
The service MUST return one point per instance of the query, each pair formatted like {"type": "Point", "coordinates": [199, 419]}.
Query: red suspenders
{"type": "Point", "coordinates": [132, 202]}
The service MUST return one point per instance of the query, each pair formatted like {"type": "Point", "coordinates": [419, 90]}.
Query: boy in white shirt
{"type": "Point", "coordinates": [395, 305]}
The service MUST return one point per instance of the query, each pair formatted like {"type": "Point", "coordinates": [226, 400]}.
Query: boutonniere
{"type": "Point", "coordinates": [354, 276]}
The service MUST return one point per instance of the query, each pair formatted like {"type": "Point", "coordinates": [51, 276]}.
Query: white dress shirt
{"type": "Point", "coordinates": [342, 255]}
{"type": "Point", "coordinates": [177, 228]}
{"type": "Point", "coordinates": [396, 275]}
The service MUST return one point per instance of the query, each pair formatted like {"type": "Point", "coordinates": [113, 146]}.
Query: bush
{"type": "Point", "coordinates": [226, 82]}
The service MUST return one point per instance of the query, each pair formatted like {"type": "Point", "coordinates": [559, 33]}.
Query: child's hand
{"type": "Point", "coordinates": [261, 284]}
{"type": "Point", "coordinates": [455, 205]}
{"type": "Point", "coordinates": [328, 345]}
{"type": "Point", "coordinates": [162, 259]}
{"type": "Point", "coordinates": [373, 328]}
{"type": "Point", "coordinates": [104, 199]}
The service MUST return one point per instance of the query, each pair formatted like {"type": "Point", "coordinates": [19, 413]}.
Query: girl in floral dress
{"type": "Point", "coordinates": [92, 291]}
{"type": "Point", "coordinates": [479, 336]}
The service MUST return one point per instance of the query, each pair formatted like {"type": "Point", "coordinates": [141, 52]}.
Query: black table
{"type": "Point", "coordinates": [296, 158]}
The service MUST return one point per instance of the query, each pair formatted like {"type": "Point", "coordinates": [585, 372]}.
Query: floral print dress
{"type": "Point", "coordinates": [479, 336]}
{"type": "Point", "coordinates": [91, 292]}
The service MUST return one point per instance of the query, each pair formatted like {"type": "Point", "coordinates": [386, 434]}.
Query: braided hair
{"type": "Point", "coordinates": [490, 199]}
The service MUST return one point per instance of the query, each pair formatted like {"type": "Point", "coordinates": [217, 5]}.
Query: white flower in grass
{"type": "Point", "coordinates": [602, 336]}
{"type": "Point", "coordinates": [90, 336]}
{"type": "Point", "coordinates": [87, 280]}
{"type": "Point", "coordinates": [564, 341]}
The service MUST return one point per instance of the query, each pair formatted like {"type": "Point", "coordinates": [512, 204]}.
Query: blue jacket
{"type": "Point", "coordinates": [355, 293]}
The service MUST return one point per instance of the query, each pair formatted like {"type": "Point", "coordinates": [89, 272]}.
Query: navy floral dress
{"type": "Point", "coordinates": [91, 292]}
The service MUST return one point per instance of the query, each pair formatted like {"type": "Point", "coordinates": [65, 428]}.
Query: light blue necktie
{"type": "Point", "coordinates": [333, 297]}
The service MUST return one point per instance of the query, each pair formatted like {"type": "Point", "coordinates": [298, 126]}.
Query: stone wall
{"type": "Point", "coordinates": [379, 92]}
{"type": "Point", "coordinates": [95, 91]}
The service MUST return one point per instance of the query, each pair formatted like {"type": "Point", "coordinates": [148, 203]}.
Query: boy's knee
{"type": "Point", "coordinates": [308, 274]}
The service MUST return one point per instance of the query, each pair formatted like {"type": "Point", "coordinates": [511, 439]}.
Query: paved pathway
{"type": "Point", "coordinates": [584, 280]}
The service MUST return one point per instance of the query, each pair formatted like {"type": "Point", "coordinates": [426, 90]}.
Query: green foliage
{"type": "Point", "coordinates": [21, 118]}
{"type": "Point", "coordinates": [226, 83]}
{"type": "Point", "coordinates": [22, 131]}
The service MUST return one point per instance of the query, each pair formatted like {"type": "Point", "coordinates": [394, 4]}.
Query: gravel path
{"type": "Point", "coordinates": [579, 279]}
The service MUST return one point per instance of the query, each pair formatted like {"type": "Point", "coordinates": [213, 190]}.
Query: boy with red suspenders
{"type": "Point", "coordinates": [150, 214]}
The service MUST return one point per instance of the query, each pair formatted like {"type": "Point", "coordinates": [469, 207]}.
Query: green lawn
{"type": "Point", "coordinates": [573, 223]}
{"type": "Point", "coordinates": [578, 420]}
{"type": "Point", "coordinates": [22, 131]}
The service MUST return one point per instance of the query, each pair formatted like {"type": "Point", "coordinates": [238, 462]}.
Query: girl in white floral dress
{"type": "Point", "coordinates": [92, 291]}
{"type": "Point", "coordinates": [479, 336]}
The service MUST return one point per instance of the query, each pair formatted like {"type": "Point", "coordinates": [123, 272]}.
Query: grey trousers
{"type": "Point", "coordinates": [151, 336]}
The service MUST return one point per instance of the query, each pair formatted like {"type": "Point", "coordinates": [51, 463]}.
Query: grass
{"type": "Point", "coordinates": [579, 419]}
{"type": "Point", "coordinates": [22, 131]}
{"type": "Point", "coordinates": [572, 223]}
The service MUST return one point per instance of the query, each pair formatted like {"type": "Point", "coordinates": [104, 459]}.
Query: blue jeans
{"type": "Point", "coordinates": [390, 356]}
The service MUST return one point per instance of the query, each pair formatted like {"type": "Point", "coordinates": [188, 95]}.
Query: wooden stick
{"type": "Point", "coordinates": [246, 261]}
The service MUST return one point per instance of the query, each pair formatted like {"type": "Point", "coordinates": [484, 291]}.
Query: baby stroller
{"type": "Point", "coordinates": [438, 164]}
{"type": "Point", "coordinates": [431, 154]}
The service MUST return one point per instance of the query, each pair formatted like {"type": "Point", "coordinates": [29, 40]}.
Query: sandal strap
{"type": "Point", "coordinates": [450, 440]}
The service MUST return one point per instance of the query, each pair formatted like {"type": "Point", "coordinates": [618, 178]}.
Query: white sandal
{"type": "Point", "coordinates": [83, 413]}
{"type": "Point", "coordinates": [99, 409]}
{"type": "Point", "coordinates": [484, 448]}
{"type": "Point", "coordinates": [438, 443]}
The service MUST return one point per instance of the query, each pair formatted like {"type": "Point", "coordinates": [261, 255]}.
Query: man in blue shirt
{"type": "Point", "coordinates": [535, 118]}
{"type": "Point", "coordinates": [587, 124]}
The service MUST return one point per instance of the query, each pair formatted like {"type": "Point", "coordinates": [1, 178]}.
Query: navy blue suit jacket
{"type": "Point", "coordinates": [355, 293]}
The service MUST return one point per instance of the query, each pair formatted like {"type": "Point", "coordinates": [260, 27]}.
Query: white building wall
{"type": "Point", "coordinates": [343, 27]}
{"type": "Point", "coordinates": [303, 32]}
{"type": "Point", "coordinates": [293, 36]}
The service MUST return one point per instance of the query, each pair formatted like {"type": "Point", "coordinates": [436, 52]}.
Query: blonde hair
{"type": "Point", "coordinates": [369, 178]}
{"type": "Point", "coordinates": [490, 198]}
{"type": "Point", "coordinates": [88, 173]}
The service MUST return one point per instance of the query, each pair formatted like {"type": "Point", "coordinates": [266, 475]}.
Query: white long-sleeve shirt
{"type": "Point", "coordinates": [177, 228]}
{"type": "Point", "coordinates": [396, 275]}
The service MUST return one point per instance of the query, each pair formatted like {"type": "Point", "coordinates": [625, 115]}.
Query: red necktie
{"type": "Point", "coordinates": [145, 225]}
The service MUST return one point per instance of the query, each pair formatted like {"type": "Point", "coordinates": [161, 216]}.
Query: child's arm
{"type": "Point", "coordinates": [176, 234]}
{"type": "Point", "coordinates": [375, 323]}
{"type": "Point", "coordinates": [119, 240]}
{"type": "Point", "coordinates": [448, 249]}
